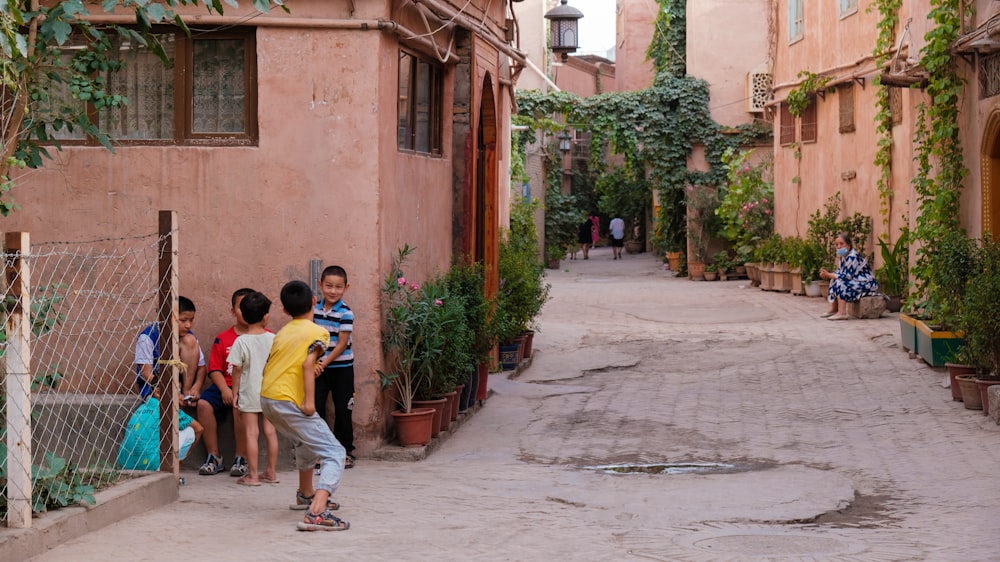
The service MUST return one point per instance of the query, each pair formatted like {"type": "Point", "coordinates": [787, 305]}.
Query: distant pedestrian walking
{"type": "Point", "coordinates": [584, 237]}
{"type": "Point", "coordinates": [617, 228]}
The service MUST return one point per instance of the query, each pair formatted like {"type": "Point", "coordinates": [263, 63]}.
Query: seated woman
{"type": "Point", "coordinates": [852, 280]}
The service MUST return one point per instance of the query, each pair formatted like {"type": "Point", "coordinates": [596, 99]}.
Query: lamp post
{"type": "Point", "coordinates": [563, 19]}
{"type": "Point", "coordinates": [565, 147]}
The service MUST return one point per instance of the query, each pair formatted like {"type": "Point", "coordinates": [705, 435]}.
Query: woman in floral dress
{"type": "Point", "coordinates": [852, 280]}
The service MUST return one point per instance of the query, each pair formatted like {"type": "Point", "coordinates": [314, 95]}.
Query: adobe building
{"type": "Point", "coordinates": [334, 134]}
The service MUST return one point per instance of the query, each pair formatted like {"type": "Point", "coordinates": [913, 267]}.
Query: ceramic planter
{"type": "Point", "coordinates": [935, 345]}
{"type": "Point", "coordinates": [970, 392]}
{"type": "Point", "coordinates": [813, 290]}
{"type": "Point", "coordinates": [908, 332]}
{"type": "Point", "coordinates": [696, 270]}
{"type": "Point", "coordinates": [796, 286]}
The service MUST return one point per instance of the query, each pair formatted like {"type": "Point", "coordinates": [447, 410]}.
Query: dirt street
{"type": "Point", "coordinates": [833, 444]}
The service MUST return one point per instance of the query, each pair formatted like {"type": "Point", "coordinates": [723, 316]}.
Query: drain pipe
{"type": "Point", "coordinates": [298, 23]}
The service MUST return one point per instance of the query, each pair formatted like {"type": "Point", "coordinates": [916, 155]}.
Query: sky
{"type": "Point", "coordinates": [597, 27]}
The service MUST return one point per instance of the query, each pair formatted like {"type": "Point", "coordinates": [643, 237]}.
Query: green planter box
{"type": "Point", "coordinates": [937, 347]}
{"type": "Point", "coordinates": [908, 332]}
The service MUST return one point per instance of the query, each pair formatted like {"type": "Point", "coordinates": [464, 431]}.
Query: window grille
{"type": "Point", "coordinates": [786, 124]}
{"type": "Point", "coordinates": [809, 131]}
{"type": "Point", "coordinates": [758, 91]}
{"type": "Point", "coordinates": [989, 75]}
{"type": "Point", "coordinates": [845, 95]}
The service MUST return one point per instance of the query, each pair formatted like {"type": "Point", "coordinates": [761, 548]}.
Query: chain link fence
{"type": "Point", "coordinates": [69, 382]}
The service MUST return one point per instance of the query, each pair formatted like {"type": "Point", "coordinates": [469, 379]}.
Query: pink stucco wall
{"type": "Point", "coordinates": [633, 34]}
{"type": "Point", "coordinates": [841, 47]}
{"type": "Point", "coordinates": [326, 182]}
{"type": "Point", "coordinates": [585, 78]}
{"type": "Point", "coordinates": [838, 162]}
{"type": "Point", "coordinates": [721, 52]}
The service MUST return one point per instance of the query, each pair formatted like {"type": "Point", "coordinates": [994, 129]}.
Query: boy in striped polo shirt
{"type": "Point", "coordinates": [335, 371]}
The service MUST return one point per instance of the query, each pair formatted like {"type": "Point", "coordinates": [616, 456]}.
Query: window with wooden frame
{"type": "Point", "coordinates": [786, 126]}
{"type": "Point", "coordinates": [796, 21]}
{"type": "Point", "coordinates": [808, 132]}
{"type": "Point", "coordinates": [845, 97]}
{"type": "Point", "coordinates": [208, 95]}
{"type": "Point", "coordinates": [421, 88]}
{"type": "Point", "coordinates": [848, 7]}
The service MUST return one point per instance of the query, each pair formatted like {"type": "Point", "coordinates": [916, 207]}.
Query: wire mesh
{"type": "Point", "coordinates": [89, 301]}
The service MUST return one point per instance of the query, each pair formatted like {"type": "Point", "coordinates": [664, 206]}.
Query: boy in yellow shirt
{"type": "Point", "coordinates": [287, 399]}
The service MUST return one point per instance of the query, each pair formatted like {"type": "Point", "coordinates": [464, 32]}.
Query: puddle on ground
{"type": "Point", "coordinates": [676, 468]}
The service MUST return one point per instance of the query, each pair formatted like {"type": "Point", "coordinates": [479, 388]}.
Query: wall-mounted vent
{"type": "Point", "coordinates": [758, 91]}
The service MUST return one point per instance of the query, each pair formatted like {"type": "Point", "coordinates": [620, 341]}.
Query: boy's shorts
{"type": "Point", "coordinates": [214, 397]}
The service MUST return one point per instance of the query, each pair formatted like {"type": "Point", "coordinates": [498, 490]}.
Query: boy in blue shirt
{"type": "Point", "coordinates": [335, 370]}
{"type": "Point", "coordinates": [147, 356]}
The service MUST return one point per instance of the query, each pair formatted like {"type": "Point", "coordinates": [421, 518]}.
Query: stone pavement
{"type": "Point", "coordinates": [833, 443]}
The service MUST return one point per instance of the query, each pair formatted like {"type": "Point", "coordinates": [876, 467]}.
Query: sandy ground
{"type": "Point", "coordinates": [837, 446]}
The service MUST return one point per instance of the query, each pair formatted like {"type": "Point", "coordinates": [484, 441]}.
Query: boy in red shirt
{"type": "Point", "coordinates": [217, 399]}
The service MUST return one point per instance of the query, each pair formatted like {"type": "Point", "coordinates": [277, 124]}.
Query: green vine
{"type": "Point", "coordinates": [888, 19]}
{"type": "Point", "coordinates": [798, 99]}
{"type": "Point", "coordinates": [668, 49]}
{"type": "Point", "coordinates": [940, 164]}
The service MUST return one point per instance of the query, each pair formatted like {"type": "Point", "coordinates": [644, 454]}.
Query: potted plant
{"type": "Point", "coordinates": [561, 220]}
{"type": "Point", "coordinates": [746, 211]}
{"type": "Point", "coordinates": [710, 273]}
{"type": "Point", "coordinates": [408, 343]}
{"type": "Point", "coordinates": [979, 319]}
{"type": "Point", "coordinates": [702, 201]}
{"type": "Point", "coordinates": [949, 268]}
{"type": "Point", "coordinates": [468, 282]}
{"type": "Point", "coordinates": [721, 263]}
{"type": "Point", "coordinates": [894, 275]}
{"type": "Point", "coordinates": [522, 291]}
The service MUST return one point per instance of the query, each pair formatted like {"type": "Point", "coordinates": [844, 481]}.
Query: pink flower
{"type": "Point", "coordinates": [401, 281]}
{"type": "Point", "coordinates": [767, 211]}
{"type": "Point", "coordinates": [437, 302]}
{"type": "Point", "coordinates": [765, 200]}
{"type": "Point", "coordinates": [746, 168]}
{"type": "Point", "coordinates": [414, 287]}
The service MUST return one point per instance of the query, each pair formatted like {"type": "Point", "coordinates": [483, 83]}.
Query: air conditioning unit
{"type": "Point", "coordinates": [758, 91]}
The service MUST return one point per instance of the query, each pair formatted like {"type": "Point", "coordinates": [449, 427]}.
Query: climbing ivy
{"type": "Point", "coordinates": [940, 164]}
{"type": "Point", "coordinates": [888, 19]}
{"type": "Point", "coordinates": [653, 129]}
{"type": "Point", "coordinates": [668, 49]}
{"type": "Point", "coordinates": [799, 98]}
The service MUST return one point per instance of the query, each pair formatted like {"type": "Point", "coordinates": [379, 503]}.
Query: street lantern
{"type": "Point", "coordinates": [564, 142]}
{"type": "Point", "coordinates": [564, 32]}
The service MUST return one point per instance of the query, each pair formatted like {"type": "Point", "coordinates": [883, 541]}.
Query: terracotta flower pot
{"type": "Point", "coordinates": [484, 378]}
{"type": "Point", "coordinates": [413, 428]}
{"type": "Point", "coordinates": [439, 405]}
{"type": "Point", "coordinates": [970, 392]}
{"type": "Point", "coordinates": [446, 409]}
{"type": "Point", "coordinates": [984, 398]}
{"type": "Point", "coordinates": [954, 370]}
